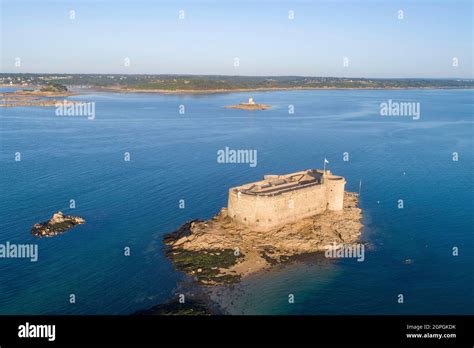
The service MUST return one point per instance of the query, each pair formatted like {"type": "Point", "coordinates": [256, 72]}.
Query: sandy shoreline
{"type": "Point", "coordinates": [122, 90]}
{"type": "Point", "coordinates": [248, 90]}
{"type": "Point", "coordinates": [226, 297]}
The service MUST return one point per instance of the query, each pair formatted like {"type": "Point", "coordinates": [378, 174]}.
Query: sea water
{"type": "Point", "coordinates": [130, 205]}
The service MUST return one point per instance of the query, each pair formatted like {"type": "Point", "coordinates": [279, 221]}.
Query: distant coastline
{"type": "Point", "coordinates": [41, 89]}
{"type": "Point", "coordinates": [125, 90]}
{"type": "Point", "coordinates": [245, 90]}
{"type": "Point", "coordinates": [213, 84]}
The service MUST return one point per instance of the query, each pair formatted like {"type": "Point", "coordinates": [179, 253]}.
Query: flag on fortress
{"type": "Point", "coordinates": [326, 161]}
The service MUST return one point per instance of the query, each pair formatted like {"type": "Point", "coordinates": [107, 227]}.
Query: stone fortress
{"type": "Point", "coordinates": [280, 199]}
{"type": "Point", "coordinates": [268, 221]}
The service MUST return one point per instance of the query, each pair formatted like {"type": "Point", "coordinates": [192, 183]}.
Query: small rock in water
{"type": "Point", "coordinates": [59, 223]}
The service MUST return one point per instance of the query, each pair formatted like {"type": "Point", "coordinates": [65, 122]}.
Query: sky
{"type": "Point", "coordinates": [148, 37]}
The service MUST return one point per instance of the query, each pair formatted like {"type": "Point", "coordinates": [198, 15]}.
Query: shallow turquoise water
{"type": "Point", "coordinates": [173, 157]}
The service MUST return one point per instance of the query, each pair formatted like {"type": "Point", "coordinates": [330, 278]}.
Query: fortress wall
{"type": "Point", "coordinates": [298, 204]}
{"type": "Point", "coordinates": [335, 192]}
{"type": "Point", "coordinates": [269, 209]}
{"type": "Point", "coordinates": [242, 208]}
{"type": "Point", "coordinates": [264, 212]}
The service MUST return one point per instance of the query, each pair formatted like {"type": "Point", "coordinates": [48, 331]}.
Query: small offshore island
{"type": "Point", "coordinates": [58, 224]}
{"type": "Point", "coordinates": [266, 223]}
{"type": "Point", "coordinates": [250, 105]}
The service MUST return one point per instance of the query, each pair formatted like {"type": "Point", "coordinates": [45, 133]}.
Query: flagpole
{"type": "Point", "coordinates": [324, 171]}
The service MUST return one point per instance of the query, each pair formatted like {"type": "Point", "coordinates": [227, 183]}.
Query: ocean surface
{"type": "Point", "coordinates": [173, 156]}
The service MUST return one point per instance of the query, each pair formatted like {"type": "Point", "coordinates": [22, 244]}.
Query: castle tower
{"type": "Point", "coordinates": [334, 191]}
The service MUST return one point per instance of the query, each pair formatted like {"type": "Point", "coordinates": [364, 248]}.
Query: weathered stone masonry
{"type": "Point", "coordinates": [281, 199]}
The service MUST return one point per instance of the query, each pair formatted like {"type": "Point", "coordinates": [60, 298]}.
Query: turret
{"type": "Point", "coordinates": [334, 191]}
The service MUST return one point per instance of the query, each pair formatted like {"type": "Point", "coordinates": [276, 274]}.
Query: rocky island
{"type": "Point", "coordinates": [266, 223]}
{"type": "Point", "coordinates": [58, 224]}
{"type": "Point", "coordinates": [250, 105]}
{"type": "Point", "coordinates": [41, 96]}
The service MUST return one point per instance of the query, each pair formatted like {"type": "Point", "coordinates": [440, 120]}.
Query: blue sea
{"type": "Point", "coordinates": [173, 157]}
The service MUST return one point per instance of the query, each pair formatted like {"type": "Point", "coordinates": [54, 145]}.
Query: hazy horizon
{"type": "Point", "coordinates": [341, 39]}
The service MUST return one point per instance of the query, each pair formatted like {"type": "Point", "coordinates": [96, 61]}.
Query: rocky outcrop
{"type": "Point", "coordinates": [34, 98]}
{"type": "Point", "coordinates": [173, 307]}
{"type": "Point", "coordinates": [249, 106]}
{"type": "Point", "coordinates": [58, 224]}
{"type": "Point", "coordinates": [226, 251]}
